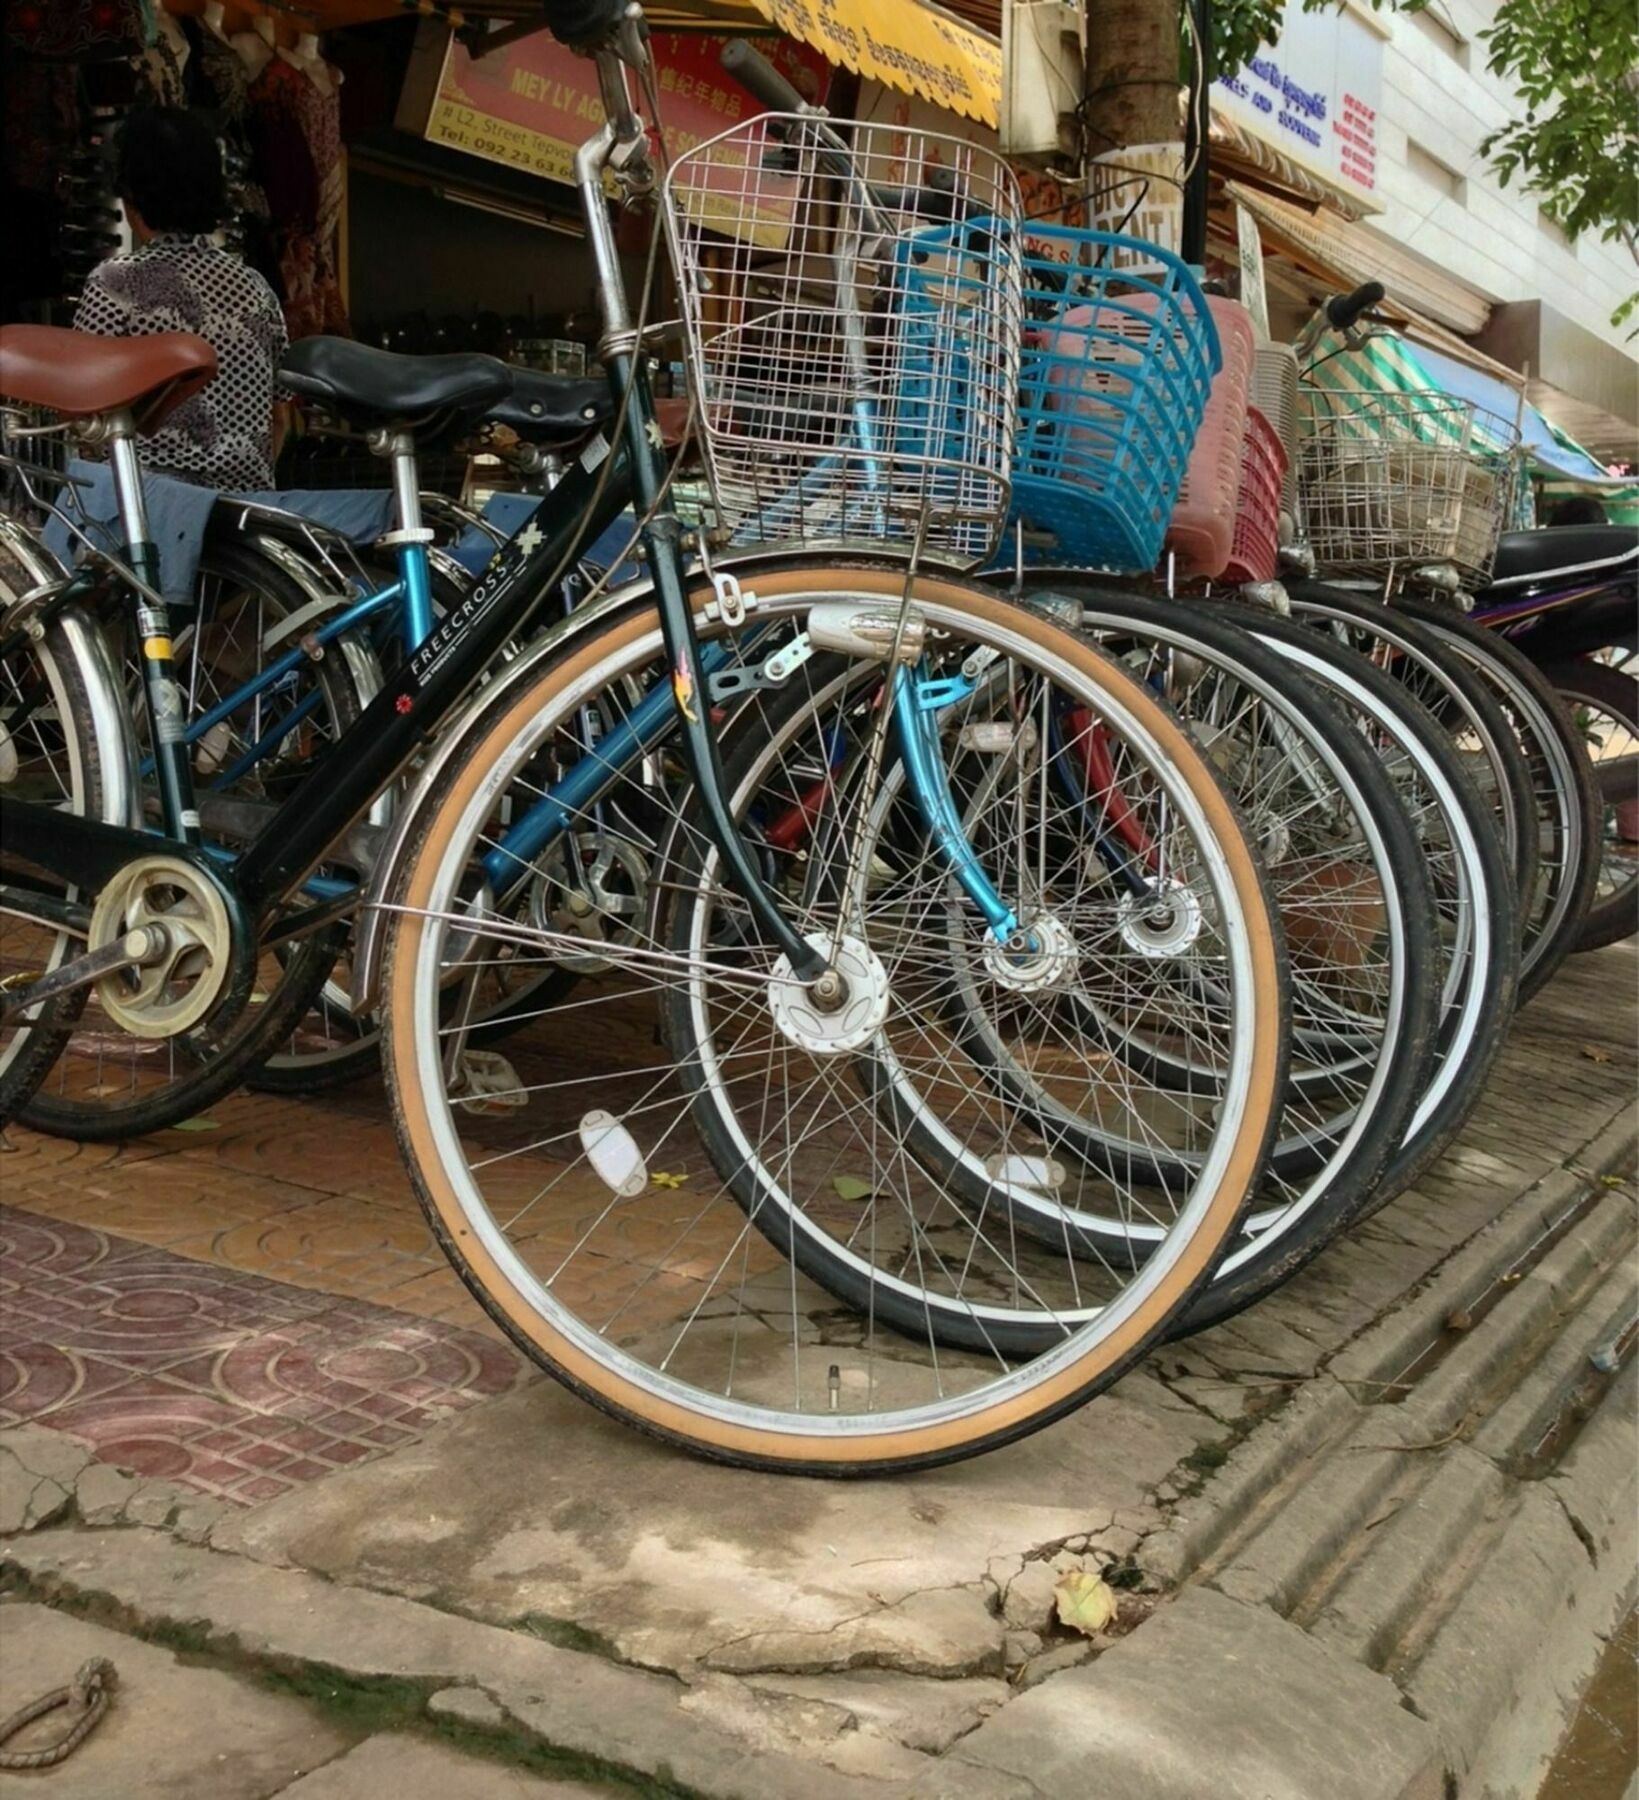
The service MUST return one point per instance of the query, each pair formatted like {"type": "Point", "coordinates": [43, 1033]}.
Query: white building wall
{"type": "Point", "coordinates": [1488, 235]}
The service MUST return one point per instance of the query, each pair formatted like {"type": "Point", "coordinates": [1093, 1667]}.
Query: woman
{"type": "Point", "coordinates": [178, 279]}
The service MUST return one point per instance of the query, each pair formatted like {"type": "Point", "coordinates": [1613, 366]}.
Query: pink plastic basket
{"type": "Point", "coordinates": [1255, 553]}
{"type": "Point", "coordinates": [1202, 532]}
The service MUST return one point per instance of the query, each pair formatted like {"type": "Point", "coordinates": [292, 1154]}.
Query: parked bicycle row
{"type": "Point", "coordinates": [1004, 866]}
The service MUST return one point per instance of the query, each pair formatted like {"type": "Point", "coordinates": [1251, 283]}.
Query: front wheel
{"type": "Point", "coordinates": [719, 1216]}
{"type": "Point", "coordinates": [1604, 705]}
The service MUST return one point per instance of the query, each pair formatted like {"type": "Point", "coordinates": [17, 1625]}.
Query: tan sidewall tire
{"type": "Point", "coordinates": [799, 1452]}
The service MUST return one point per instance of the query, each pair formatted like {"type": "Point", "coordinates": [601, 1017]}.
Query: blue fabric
{"type": "Point", "coordinates": [360, 515]}
{"type": "Point", "coordinates": [613, 541]}
{"type": "Point", "coordinates": [509, 512]}
{"type": "Point", "coordinates": [177, 515]}
{"type": "Point", "coordinates": [1543, 448]}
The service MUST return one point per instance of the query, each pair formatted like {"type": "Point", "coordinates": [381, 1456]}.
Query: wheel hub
{"type": "Point", "coordinates": [841, 1016]}
{"type": "Point", "coordinates": [1164, 922]}
{"type": "Point", "coordinates": [173, 993]}
{"type": "Point", "coordinates": [1037, 957]}
{"type": "Point", "coordinates": [601, 900]}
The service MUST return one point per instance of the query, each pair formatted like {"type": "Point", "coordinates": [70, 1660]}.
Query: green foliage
{"type": "Point", "coordinates": [1577, 147]}
{"type": "Point", "coordinates": [1239, 27]}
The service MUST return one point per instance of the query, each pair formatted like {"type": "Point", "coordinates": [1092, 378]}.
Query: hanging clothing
{"type": "Point", "coordinates": [74, 30]}
{"type": "Point", "coordinates": [296, 132]}
{"type": "Point", "coordinates": [223, 436]}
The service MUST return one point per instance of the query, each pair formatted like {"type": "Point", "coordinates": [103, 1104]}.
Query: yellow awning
{"type": "Point", "coordinates": [902, 44]}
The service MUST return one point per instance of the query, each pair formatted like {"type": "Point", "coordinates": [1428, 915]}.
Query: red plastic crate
{"type": "Point", "coordinates": [1255, 553]}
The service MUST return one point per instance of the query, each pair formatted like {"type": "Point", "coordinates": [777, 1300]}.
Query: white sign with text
{"type": "Point", "coordinates": [1315, 94]}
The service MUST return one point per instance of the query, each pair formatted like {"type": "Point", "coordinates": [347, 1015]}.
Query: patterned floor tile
{"type": "Point", "coordinates": [216, 1378]}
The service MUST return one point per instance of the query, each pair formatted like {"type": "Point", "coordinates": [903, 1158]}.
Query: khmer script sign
{"type": "Point", "coordinates": [1315, 93]}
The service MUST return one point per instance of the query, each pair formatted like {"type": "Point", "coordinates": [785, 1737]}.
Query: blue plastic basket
{"type": "Point", "coordinates": [1115, 369]}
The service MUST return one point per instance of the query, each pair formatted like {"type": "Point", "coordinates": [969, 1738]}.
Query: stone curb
{"type": "Point", "coordinates": [1326, 1411]}
{"type": "Point", "coordinates": [634, 1722]}
{"type": "Point", "coordinates": [1503, 1673]}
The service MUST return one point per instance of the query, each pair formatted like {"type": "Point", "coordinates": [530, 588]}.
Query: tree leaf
{"type": "Point", "coordinates": [1086, 1603]}
{"type": "Point", "coordinates": [850, 1187]}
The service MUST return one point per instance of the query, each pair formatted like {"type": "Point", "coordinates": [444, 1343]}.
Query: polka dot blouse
{"type": "Point", "coordinates": [222, 437]}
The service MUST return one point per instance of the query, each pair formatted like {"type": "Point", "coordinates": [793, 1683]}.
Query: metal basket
{"type": "Point", "coordinates": [1115, 371]}
{"type": "Point", "coordinates": [1256, 551]}
{"type": "Point", "coordinates": [1396, 479]}
{"type": "Point", "coordinates": [850, 302]}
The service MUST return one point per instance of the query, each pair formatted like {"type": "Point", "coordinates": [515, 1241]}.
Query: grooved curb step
{"type": "Point", "coordinates": [1391, 1588]}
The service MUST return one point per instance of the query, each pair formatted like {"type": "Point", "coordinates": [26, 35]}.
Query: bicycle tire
{"type": "Point", "coordinates": [60, 760]}
{"type": "Point", "coordinates": [1588, 684]}
{"type": "Point", "coordinates": [168, 1080]}
{"type": "Point", "coordinates": [1447, 688]}
{"type": "Point", "coordinates": [1475, 1024]}
{"type": "Point", "coordinates": [1021, 1401]}
{"type": "Point", "coordinates": [1565, 805]}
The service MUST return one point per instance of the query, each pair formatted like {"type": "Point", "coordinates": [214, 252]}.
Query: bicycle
{"type": "Point", "coordinates": [863, 1399]}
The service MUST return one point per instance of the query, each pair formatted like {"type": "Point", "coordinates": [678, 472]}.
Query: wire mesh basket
{"type": "Point", "coordinates": [1255, 554]}
{"type": "Point", "coordinates": [850, 302]}
{"type": "Point", "coordinates": [1395, 479]}
{"type": "Point", "coordinates": [1116, 367]}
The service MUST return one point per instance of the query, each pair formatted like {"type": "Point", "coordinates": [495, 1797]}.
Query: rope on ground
{"type": "Point", "coordinates": [89, 1694]}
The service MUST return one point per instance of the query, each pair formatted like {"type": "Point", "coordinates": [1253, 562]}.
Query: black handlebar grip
{"type": "Point", "coordinates": [756, 73]}
{"type": "Point", "coordinates": [583, 24]}
{"type": "Point", "coordinates": [1343, 309]}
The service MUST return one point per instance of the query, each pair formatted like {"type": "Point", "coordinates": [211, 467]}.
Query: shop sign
{"type": "Point", "coordinates": [1314, 94]}
{"type": "Point", "coordinates": [533, 103]}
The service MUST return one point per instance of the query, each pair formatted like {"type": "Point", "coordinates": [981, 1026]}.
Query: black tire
{"type": "Point", "coordinates": [1314, 1190]}
{"type": "Point", "coordinates": [1586, 686]}
{"type": "Point", "coordinates": [178, 1078]}
{"type": "Point", "coordinates": [1565, 801]}
{"type": "Point", "coordinates": [44, 679]}
{"type": "Point", "coordinates": [1470, 1038]}
{"type": "Point", "coordinates": [1444, 684]}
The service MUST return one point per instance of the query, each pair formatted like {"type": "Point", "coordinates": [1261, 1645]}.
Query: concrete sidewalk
{"type": "Point", "coordinates": [1368, 1539]}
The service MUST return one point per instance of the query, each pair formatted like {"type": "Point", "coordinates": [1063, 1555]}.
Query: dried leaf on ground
{"type": "Point", "coordinates": [1086, 1603]}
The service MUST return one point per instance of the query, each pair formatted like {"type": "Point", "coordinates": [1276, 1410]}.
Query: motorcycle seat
{"type": "Point", "coordinates": [1597, 552]}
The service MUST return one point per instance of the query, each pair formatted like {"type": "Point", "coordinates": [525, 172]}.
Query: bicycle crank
{"type": "Point", "coordinates": [163, 900]}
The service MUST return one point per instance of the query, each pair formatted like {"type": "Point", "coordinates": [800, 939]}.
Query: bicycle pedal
{"type": "Point", "coordinates": [488, 1083]}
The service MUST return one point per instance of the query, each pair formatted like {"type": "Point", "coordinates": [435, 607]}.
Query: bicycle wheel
{"type": "Point", "coordinates": [1603, 701]}
{"type": "Point", "coordinates": [700, 1302]}
{"type": "Point", "coordinates": [1446, 687]}
{"type": "Point", "coordinates": [1475, 902]}
{"type": "Point", "coordinates": [1357, 905]}
{"type": "Point", "coordinates": [1566, 807]}
{"type": "Point", "coordinates": [110, 1082]}
{"type": "Point", "coordinates": [60, 746]}
{"type": "Point", "coordinates": [331, 1046]}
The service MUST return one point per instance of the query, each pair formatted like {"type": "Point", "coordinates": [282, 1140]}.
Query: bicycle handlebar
{"type": "Point", "coordinates": [758, 75]}
{"type": "Point", "coordinates": [1343, 309]}
{"type": "Point", "coordinates": [583, 24]}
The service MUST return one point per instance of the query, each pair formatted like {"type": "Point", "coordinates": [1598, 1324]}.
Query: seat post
{"type": "Point", "coordinates": [121, 437]}
{"type": "Point", "coordinates": [165, 708]}
{"type": "Point", "coordinates": [410, 535]}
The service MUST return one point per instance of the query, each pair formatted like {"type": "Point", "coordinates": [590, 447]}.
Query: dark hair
{"type": "Point", "coordinates": [170, 169]}
{"type": "Point", "coordinates": [1580, 509]}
